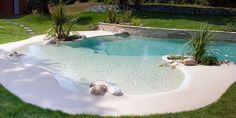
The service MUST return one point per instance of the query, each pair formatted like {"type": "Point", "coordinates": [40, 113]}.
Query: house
{"type": "Point", "coordinates": [13, 7]}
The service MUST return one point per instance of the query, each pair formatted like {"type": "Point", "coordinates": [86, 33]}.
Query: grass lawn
{"type": "Point", "coordinates": [11, 32]}
{"type": "Point", "coordinates": [13, 107]}
{"type": "Point", "coordinates": [41, 24]}
{"type": "Point", "coordinates": [183, 21]}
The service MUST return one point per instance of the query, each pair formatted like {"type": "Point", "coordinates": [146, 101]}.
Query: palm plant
{"type": "Point", "coordinates": [200, 43]}
{"type": "Point", "coordinates": [62, 23]}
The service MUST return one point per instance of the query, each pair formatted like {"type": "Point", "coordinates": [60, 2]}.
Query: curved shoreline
{"type": "Point", "coordinates": [202, 86]}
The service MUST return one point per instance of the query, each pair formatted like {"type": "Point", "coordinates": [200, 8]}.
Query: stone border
{"type": "Point", "coordinates": [163, 32]}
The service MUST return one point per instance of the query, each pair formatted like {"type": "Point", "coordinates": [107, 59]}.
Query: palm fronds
{"type": "Point", "coordinates": [200, 43]}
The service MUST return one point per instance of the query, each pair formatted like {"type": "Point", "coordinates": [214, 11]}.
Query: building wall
{"type": "Point", "coordinates": [1, 7]}
{"type": "Point", "coordinates": [23, 6]}
{"type": "Point", "coordinates": [7, 7]}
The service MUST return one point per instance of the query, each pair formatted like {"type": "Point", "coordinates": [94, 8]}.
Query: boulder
{"type": "Point", "coordinates": [190, 62]}
{"type": "Point", "coordinates": [98, 88]}
{"type": "Point", "coordinates": [114, 90]}
{"type": "Point", "coordinates": [99, 82]}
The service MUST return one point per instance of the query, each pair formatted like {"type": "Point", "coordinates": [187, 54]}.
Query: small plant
{"type": "Point", "coordinates": [136, 21]}
{"type": "Point", "coordinates": [200, 43]}
{"type": "Point", "coordinates": [126, 16]}
{"type": "Point", "coordinates": [209, 60]}
{"type": "Point", "coordinates": [113, 14]}
{"type": "Point", "coordinates": [62, 23]}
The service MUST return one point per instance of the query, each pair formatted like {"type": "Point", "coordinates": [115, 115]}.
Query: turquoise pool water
{"type": "Point", "coordinates": [143, 46]}
{"type": "Point", "coordinates": [130, 62]}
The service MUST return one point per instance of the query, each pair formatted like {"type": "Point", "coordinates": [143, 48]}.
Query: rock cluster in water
{"type": "Point", "coordinates": [100, 88]}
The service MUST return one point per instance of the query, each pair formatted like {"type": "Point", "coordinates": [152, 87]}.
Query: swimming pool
{"type": "Point", "coordinates": [130, 62]}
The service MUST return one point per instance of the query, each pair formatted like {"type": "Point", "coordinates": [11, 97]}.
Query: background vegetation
{"type": "Point", "coordinates": [214, 3]}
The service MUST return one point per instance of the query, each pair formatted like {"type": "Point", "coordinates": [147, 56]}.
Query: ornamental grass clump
{"type": "Point", "coordinates": [200, 45]}
{"type": "Point", "coordinates": [62, 23]}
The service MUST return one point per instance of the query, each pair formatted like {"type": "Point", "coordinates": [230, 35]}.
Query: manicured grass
{"type": "Point", "coordinates": [79, 7]}
{"type": "Point", "coordinates": [10, 32]}
{"type": "Point", "coordinates": [41, 24]}
{"type": "Point", "coordinates": [13, 107]}
{"type": "Point", "coordinates": [183, 21]}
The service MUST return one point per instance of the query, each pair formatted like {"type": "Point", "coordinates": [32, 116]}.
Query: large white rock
{"type": "Point", "coordinates": [114, 90]}
{"type": "Point", "coordinates": [190, 62]}
{"type": "Point", "coordinates": [98, 88]}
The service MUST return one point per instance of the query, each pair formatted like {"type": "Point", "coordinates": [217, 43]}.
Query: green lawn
{"type": "Point", "coordinates": [13, 107]}
{"type": "Point", "coordinates": [183, 21]}
{"type": "Point", "coordinates": [41, 24]}
{"type": "Point", "coordinates": [11, 32]}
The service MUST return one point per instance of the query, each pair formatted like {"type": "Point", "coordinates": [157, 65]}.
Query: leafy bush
{"type": "Point", "coordinates": [136, 21]}
{"type": "Point", "coordinates": [200, 43]}
{"type": "Point", "coordinates": [62, 23]}
{"type": "Point", "coordinates": [209, 60]}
